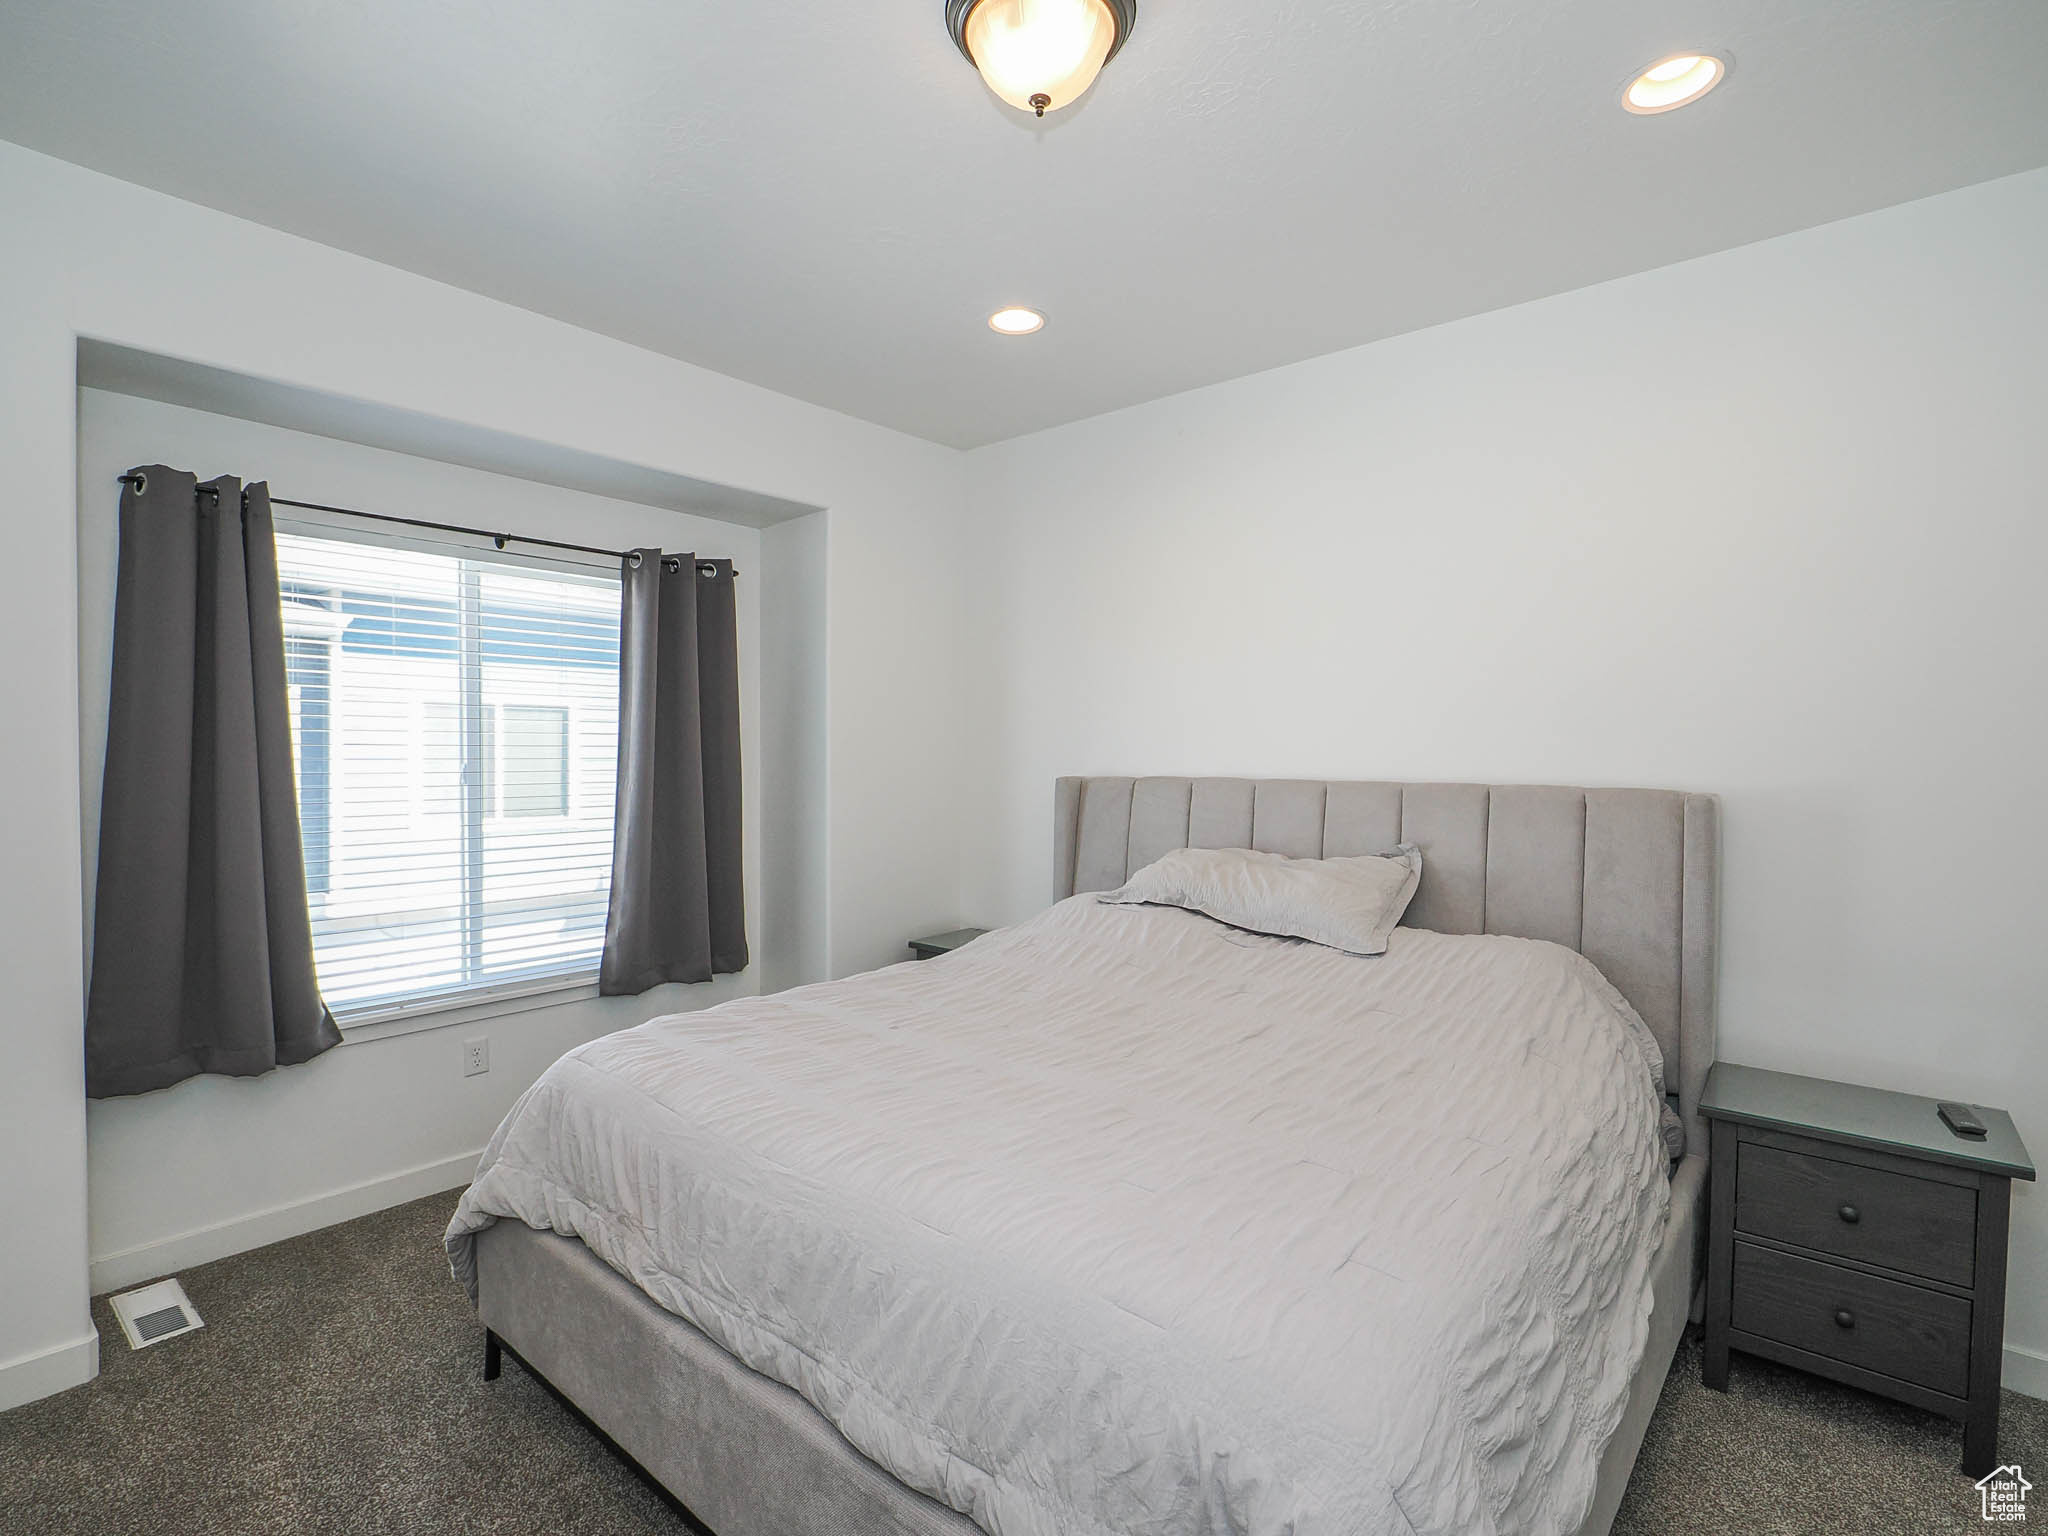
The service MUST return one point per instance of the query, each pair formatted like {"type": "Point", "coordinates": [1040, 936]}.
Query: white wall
{"type": "Point", "coordinates": [82, 254]}
{"type": "Point", "coordinates": [388, 1116]}
{"type": "Point", "coordinates": [796, 767]}
{"type": "Point", "coordinates": [1771, 524]}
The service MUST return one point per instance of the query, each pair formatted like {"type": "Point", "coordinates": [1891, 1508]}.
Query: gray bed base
{"type": "Point", "coordinates": [1626, 876]}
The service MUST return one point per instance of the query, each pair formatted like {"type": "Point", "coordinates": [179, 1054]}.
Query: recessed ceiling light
{"type": "Point", "coordinates": [1016, 320]}
{"type": "Point", "coordinates": [1673, 82]}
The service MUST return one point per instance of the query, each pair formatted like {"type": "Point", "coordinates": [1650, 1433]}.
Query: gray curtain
{"type": "Point", "coordinates": [202, 956]}
{"type": "Point", "coordinates": [678, 910]}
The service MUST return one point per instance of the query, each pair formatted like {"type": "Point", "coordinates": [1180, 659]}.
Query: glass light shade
{"type": "Point", "coordinates": [1039, 55]}
{"type": "Point", "coordinates": [1676, 81]}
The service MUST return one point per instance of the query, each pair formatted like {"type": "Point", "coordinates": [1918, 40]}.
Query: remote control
{"type": "Point", "coordinates": [1963, 1120]}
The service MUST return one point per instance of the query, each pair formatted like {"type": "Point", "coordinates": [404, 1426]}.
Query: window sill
{"type": "Point", "coordinates": [465, 1008]}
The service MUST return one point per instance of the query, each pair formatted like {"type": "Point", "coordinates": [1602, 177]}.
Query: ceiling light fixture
{"type": "Point", "coordinates": [1672, 83]}
{"type": "Point", "coordinates": [1016, 320]}
{"type": "Point", "coordinates": [1039, 55]}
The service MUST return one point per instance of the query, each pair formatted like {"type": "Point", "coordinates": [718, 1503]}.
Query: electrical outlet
{"type": "Point", "coordinates": [476, 1056]}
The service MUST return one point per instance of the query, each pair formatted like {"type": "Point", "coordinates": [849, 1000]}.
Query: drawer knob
{"type": "Point", "coordinates": [1851, 1215]}
{"type": "Point", "coordinates": [1845, 1318]}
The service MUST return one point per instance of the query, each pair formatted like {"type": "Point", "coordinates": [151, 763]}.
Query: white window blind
{"type": "Point", "coordinates": [455, 728]}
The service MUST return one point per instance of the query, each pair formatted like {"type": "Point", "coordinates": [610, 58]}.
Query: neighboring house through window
{"type": "Point", "coordinates": [455, 731]}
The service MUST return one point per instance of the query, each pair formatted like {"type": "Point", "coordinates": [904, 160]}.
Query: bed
{"type": "Point", "coordinates": [1121, 1220]}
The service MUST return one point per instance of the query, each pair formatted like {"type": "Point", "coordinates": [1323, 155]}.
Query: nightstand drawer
{"type": "Point", "coordinates": [1888, 1326]}
{"type": "Point", "coordinates": [1919, 1226]}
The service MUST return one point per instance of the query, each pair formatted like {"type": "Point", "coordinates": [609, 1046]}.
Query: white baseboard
{"type": "Point", "coordinates": [166, 1255]}
{"type": "Point", "coordinates": [56, 1369]}
{"type": "Point", "coordinates": [2026, 1371]}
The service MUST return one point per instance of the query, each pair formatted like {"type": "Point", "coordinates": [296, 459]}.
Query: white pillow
{"type": "Point", "coordinates": [1349, 904]}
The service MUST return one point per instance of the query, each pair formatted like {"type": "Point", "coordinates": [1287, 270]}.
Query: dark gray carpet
{"type": "Point", "coordinates": [336, 1388]}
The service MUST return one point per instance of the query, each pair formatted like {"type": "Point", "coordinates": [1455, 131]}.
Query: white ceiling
{"type": "Point", "coordinates": [822, 198]}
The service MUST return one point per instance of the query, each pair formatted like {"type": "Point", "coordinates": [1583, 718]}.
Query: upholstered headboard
{"type": "Point", "coordinates": [1628, 877]}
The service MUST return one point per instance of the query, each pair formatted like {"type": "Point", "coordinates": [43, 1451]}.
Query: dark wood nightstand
{"type": "Point", "coordinates": [943, 943]}
{"type": "Point", "coordinates": [1852, 1234]}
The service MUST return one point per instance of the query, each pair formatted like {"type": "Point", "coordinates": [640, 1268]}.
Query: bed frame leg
{"type": "Point", "coordinates": [494, 1357]}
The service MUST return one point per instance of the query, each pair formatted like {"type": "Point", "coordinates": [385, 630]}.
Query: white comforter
{"type": "Point", "coordinates": [1124, 1221]}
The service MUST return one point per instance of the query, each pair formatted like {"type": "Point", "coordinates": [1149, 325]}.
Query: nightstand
{"type": "Point", "coordinates": [943, 943]}
{"type": "Point", "coordinates": [1854, 1235]}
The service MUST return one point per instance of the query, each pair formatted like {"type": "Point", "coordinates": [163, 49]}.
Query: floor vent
{"type": "Point", "coordinates": [152, 1313]}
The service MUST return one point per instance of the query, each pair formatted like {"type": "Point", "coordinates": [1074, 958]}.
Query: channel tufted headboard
{"type": "Point", "coordinates": [1628, 877]}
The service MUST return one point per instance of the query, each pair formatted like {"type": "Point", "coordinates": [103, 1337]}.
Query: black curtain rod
{"type": "Point", "coordinates": [704, 567]}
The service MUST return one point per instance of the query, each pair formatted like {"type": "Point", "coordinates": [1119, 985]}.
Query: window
{"type": "Point", "coordinates": [455, 732]}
